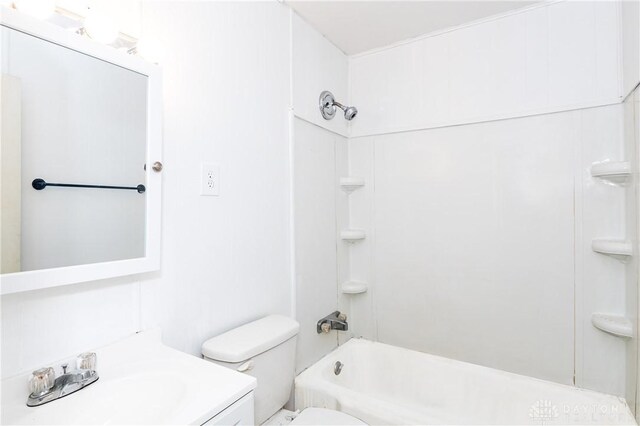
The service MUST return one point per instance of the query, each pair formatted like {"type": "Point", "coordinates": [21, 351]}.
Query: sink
{"type": "Point", "coordinates": [140, 399]}
{"type": "Point", "coordinates": [141, 381]}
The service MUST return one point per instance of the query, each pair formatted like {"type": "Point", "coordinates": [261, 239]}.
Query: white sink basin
{"type": "Point", "coordinates": [159, 394]}
{"type": "Point", "coordinates": [141, 382]}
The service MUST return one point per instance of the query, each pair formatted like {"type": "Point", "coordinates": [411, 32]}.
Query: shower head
{"type": "Point", "coordinates": [328, 106]}
{"type": "Point", "coordinates": [350, 113]}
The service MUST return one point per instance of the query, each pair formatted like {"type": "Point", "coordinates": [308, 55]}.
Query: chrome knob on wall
{"type": "Point", "coordinates": [334, 321]}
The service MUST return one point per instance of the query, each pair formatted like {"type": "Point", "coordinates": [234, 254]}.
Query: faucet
{"type": "Point", "coordinates": [333, 321]}
{"type": "Point", "coordinates": [46, 387]}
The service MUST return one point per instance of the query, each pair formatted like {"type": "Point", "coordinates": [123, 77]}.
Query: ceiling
{"type": "Point", "coordinates": [358, 26]}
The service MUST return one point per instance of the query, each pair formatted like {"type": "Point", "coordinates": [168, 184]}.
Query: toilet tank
{"type": "Point", "coordinates": [264, 349]}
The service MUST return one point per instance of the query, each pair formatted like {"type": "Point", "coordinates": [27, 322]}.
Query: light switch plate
{"type": "Point", "coordinates": [210, 179]}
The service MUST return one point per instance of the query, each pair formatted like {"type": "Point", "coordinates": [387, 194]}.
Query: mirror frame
{"type": "Point", "coordinates": [45, 278]}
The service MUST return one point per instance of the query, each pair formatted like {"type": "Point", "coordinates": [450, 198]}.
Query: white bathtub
{"type": "Point", "coordinates": [383, 384]}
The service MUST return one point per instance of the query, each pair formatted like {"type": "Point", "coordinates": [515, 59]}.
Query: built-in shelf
{"type": "Point", "coordinates": [618, 248]}
{"type": "Point", "coordinates": [353, 235]}
{"type": "Point", "coordinates": [354, 287]}
{"type": "Point", "coordinates": [617, 172]}
{"type": "Point", "coordinates": [613, 324]}
{"type": "Point", "coordinates": [350, 184]}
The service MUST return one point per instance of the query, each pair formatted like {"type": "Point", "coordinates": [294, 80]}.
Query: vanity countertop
{"type": "Point", "coordinates": [141, 381]}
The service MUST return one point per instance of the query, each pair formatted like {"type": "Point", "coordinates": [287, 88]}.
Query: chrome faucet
{"type": "Point", "coordinates": [46, 387]}
{"type": "Point", "coordinates": [333, 321]}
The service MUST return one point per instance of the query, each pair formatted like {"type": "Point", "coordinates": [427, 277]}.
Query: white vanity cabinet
{"type": "Point", "coordinates": [239, 413]}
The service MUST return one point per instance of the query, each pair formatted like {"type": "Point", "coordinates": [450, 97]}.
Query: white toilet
{"type": "Point", "coordinates": [266, 349]}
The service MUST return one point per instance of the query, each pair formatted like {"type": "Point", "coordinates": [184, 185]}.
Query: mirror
{"type": "Point", "coordinates": [69, 118]}
{"type": "Point", "coordinates": [75, 138]}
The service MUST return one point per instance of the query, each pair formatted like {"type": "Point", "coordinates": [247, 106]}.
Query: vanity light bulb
{"type": "Point", "coordinates": [100, 28]}
{"type": "Point", "coordinates": [41, 9]}
{"type": "Point", "coordinates": [149, 50]}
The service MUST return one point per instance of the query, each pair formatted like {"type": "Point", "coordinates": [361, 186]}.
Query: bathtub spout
{"type": "Point", "coordinates": [333, 321]}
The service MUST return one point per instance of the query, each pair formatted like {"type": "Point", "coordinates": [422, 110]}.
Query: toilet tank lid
{"type": "Point", "coordinates": [249, 340]}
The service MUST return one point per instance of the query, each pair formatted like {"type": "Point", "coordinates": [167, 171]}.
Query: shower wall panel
{"type": "Point", "coordinates": [320, 158]}
{"type": "Point", "coordinates": [552, 57]}
{"type": "Point", "coordinates": [476, 145]}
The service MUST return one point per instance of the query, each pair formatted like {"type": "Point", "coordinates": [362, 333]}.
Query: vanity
{"type": "Point", "coordinates": [142, 381]}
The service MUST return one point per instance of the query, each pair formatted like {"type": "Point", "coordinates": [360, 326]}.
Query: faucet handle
{"type": "Point", "coordinates": [42, 381]}
{"type": "Point", "coordinates": [342, 317]}
{"type": "Point", "coordinates": [87, 361]}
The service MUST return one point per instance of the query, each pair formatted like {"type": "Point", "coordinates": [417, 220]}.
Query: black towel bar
{"type": "Point", "coordinates": [41, 184]}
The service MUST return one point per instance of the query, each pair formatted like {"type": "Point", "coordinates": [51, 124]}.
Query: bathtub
{"type": "Point", "coordinates": [383, 384]}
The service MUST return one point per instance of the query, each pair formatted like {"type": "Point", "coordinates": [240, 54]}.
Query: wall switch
{"type": "Point", "coordinates": [210, 179]}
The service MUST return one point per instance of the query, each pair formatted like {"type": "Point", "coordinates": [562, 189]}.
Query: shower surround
{"type": "Point", "coordinates": [478, 209]}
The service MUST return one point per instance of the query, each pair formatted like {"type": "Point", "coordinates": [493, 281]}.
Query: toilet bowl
{"type": "Point", "coordinates": [266, 350]}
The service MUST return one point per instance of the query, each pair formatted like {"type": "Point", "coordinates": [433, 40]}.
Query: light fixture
{"type": "Point", "coordinates": [149, 50]}
{"type": "Point", "coordinates": [100, 28]}
{"type": "Point", "coordinates": [41, 9]}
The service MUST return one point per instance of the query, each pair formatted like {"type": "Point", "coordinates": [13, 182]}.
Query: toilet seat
{"type": "Point", "coordinates": [324, 416]}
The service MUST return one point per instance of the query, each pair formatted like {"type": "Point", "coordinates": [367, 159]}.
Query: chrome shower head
{"type": "Point", "coordinates": [328, 106]}
{"type": "Point", "coordinates": [350, 113]}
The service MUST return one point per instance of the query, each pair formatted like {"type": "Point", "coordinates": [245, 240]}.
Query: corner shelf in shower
{"type": "Point", "coordinates": [617, 172]}
{"type": "Point", "coordinates": [352, 235]}
{"type": "Point", "coordinates": [613, 324]}
{"type": "Point", "coordinates": [354, 287]}
{"type": "Point", "coordinates": [350, 184]}
{"type": "Point", "coordinates": [617, 248]}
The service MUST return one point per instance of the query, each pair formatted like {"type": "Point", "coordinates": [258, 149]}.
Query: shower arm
{"type": "Point", "coordinates": [339, 105]}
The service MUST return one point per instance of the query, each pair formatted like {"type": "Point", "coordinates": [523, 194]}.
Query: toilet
{"type": "Point", "coordinates": [266, 350]}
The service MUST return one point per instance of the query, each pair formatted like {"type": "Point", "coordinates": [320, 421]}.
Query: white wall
{"type": "Point", "coordinates": [317, 65]}
{"type": "Point", "coordinates": [473, 239]}
{"type": "Point", "coordinates": [632, 138]}
{"type": "Point", "coordinates": [320, 207]}
{"type": "Point", "coordinates": [317, 205]}
{"type": "Point", "coordinates": [225, 260]}
{"type": "Point", "coordinates": [630, 15]}
{"type": "Point", "coordinates": [125, 14]}
{"type": "Point", "coordinates": [631, 144]}
{"type": "Point", "coordinates": [479, 235]}
{"type": "Point", "coordinates": [555, 57]}
{"type": "Point", "coordinates": [42, 326]}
